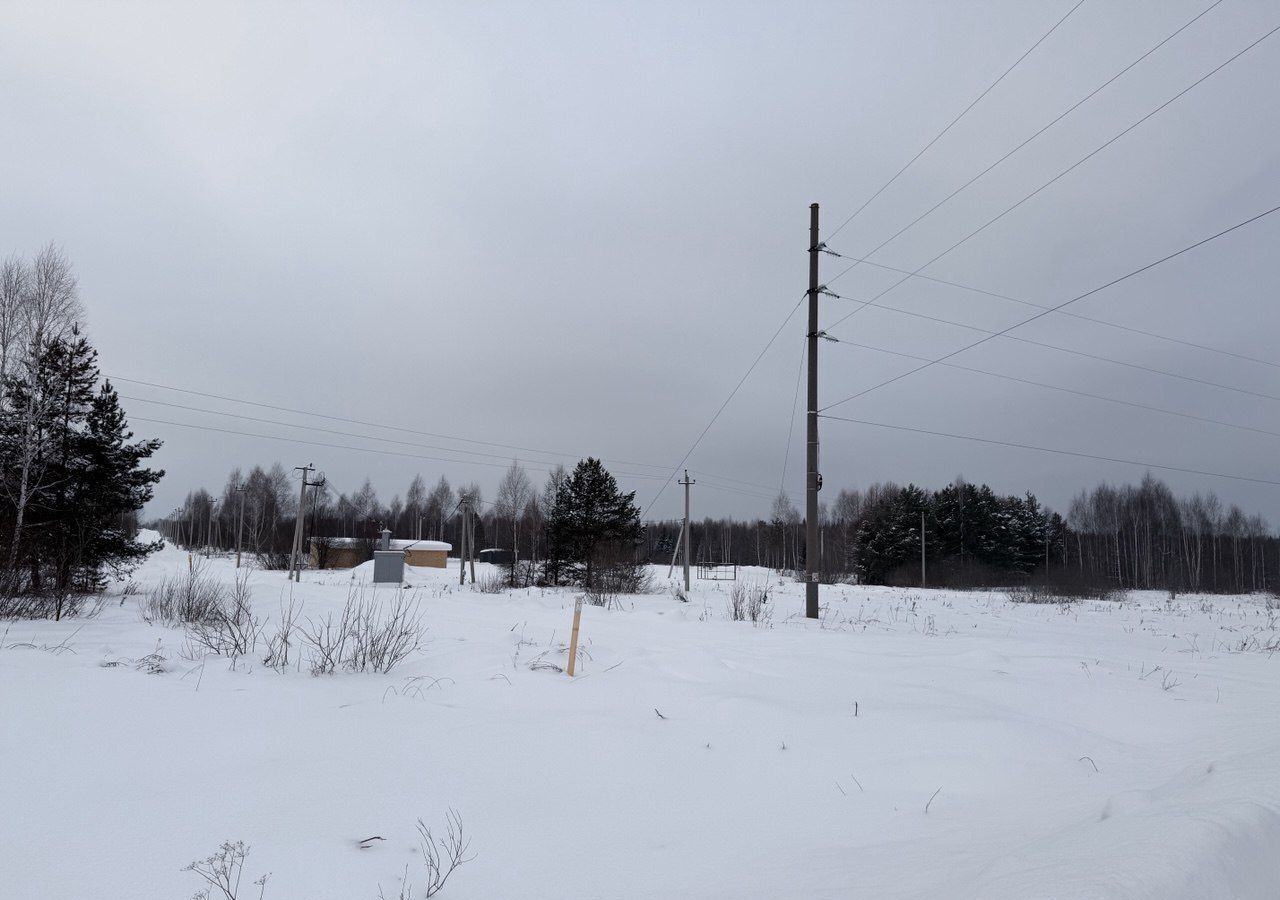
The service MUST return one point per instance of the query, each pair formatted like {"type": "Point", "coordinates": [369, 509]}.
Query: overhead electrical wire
{"type": "Point", "coordinates": [298, 440]}
{"type": "Point", "coordinates": [333, 418]}
{"type": "Point", "coordinates": [1097, 357]}
{"type": "Point", "coordinates": [382, 452]}
{"type": "Point", "coordinates": [976, 100]}
{"type": "Point", "coordinates": [1055, 450]}
{"type": "Point", "coordinates": [856, 212]}
{"type": "Point", "coordinates": [1060, 175]}
{"type": "Point", "coordinates": [745, 375]}
{"type": "Point", "coordinates": [1053, 387]}
{"type": "Point", "coordinates": [1078, 297]}
{"type": "Point", "coordinates": [791, 426]}
{"type": "Point", "coordinates": [1083, 100]}
{"type": "Point", "coordinates": [998, 296]}
{"type": "Point", "coordinates": [330, 417]}
{"type": "Point", "coordinates": [369, 437]}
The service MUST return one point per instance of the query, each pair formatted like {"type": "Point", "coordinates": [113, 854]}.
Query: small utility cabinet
{"type": "Point", "coordinates": [388, 564]}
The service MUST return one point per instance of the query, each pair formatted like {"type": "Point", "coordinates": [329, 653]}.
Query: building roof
{"type": "Point", "coordinates": [396, 544]}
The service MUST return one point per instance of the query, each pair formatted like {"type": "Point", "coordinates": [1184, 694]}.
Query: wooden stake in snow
{"type": "Point", "coordinates": [573, 636]}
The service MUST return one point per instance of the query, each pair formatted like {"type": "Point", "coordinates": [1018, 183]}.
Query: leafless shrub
{"type": "Point", "coordinates": [1034, 593]}
{"type": "Point", "coordinates": [749, 602]}
{"type": "Point", "coordinates": [328, 639]}
{"type": "Point", "coordinates": [12, 607]}
{"type": "Point", "coordinates": [272, 560]}
{"type": "Point", "coordinates": [222, 873]}
{"type": "Point", "coordinates": [491, 583]}
{"type": "Point", "coordinates": [93, 606]}
{"type": "Point", "coordinates": [20, 606]}
{"type": "Point", "coordinates": [631, 579]}
{"type": "Point", "coordinates": [231, 628]}
{"type": "Point", "coordinates": [522, 573]}
{"type": "Point", "coordinates": [1063, 586]}
{"type": "Point", "coordinates": [440, 857]}
{"type": "Point", "coordinates": [737, 607]}
{"type": "Point", "coordinates": [603, 594]}
{"type": "Point", "coordinates": [369, 635]}
{"type": "Point", "coordinates": [758, 609]}
{"type": "Point", "coordinates": [190, 596]}
{"type": "Point", "coordinates": [678, 593]}
{"type": "Point", "coordinates": [50, 605]}
{"type": "Point", "coordinates": [282, 645]}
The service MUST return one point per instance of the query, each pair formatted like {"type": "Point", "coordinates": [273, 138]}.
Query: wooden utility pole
{"type": "Point", "coordinates": [813, 481]}
{"type": "Point", "coordinates": [240, 526]}
{"type": "Point", "coordinates": [685, 530]}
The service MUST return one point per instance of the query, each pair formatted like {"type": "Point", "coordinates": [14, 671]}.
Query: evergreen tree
{"type": "Point", "coordinates": [971, 534]}
{"type": "Point", "coordinates": [72, 478]}
{"type": "Point", "coordinates": [112, 482]}
{"type": "Point", "coordinates": [72, 374]}
{"type": "Point", "coordinates": [593, 525]}
{"type": "Point", "coordinates": [888, 538]}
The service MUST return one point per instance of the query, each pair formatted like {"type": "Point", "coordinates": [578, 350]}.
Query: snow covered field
{"type": "Point", "coordinates": [912, 744]}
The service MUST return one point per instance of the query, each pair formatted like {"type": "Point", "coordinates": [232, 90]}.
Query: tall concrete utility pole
{"type": "Point", "coordinates": [240, 526]}
{"type": "Point", "coordinates": [813, 481]}
{"type": "Point", "coordinates": [295, 563]}
{"type": "Point", "coordinates": [471, 540]}
{"type": "Point", "coordinates": [685, 530]}
{"type": "Point", "coordinates": [466, 549]}
{"type": "Point", "coordinates": [922, 548]}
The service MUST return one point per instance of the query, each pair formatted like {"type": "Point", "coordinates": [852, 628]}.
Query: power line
{"type": "Point", "coordinates": [1060, 452]}
{"type": "Point", "coordinates": [339, 432]}
{"type": "Point", "coordinates": [791, 427]}
{"type": "Point", "coordinates": [310, 443]}
{"type": "Point", "coordinates": [1065, 390]}
{"type": "Point", "coordinates": [1061, 174]}
{"type": "Point", "coordinates": [295, 440]}
{"type": "Point", "coordinates": [364, 436]}
{"type": "Point", "coordinates": [952, 123]}
{"type": "Point", "coordinates": [1085, 99]}
{"type": "Point", "coordinates": [732, 481]}
{"type": "Point", "coordinates": [333, 418]}
{"type": "Point", "coordinates": [1081, 353]}
{"type": "Point", "coordinates": [1043, 313]}
{"type": "Point", "coordinates": [371, 437]}
{"type": "Point", "coordinates": [998, 296]}
{"type": "Point", "coordinates": [732, 394]}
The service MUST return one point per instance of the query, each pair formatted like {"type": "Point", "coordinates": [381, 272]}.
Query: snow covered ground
{"type": "Point", "coordinates": [912, 744]}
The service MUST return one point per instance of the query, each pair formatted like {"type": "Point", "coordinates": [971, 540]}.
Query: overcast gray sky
{"type": "Point", "coordinates": [573, 226]}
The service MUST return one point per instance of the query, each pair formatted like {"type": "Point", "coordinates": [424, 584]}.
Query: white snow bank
{"type": "Point", "coordinates": [1105, 751]}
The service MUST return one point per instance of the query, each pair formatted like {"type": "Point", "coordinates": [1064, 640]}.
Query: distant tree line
{"type": "Point", "coordinates": [1132, 536]}
{"type": "Point", "coordinates": [579, 528]}
{"type": "Point", "coordinates": [72, 478]}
